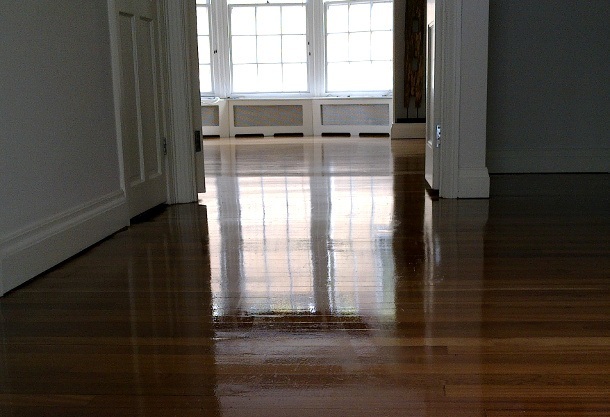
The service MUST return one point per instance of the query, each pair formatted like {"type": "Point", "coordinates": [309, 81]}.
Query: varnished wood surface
{"type": "Point", "coordinates": [317, 278]}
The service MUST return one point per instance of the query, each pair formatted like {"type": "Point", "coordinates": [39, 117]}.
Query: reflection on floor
{"type": "Point", "coordinates": [305, 228]}
{"type": "Point", "coordinates": [317, 278]}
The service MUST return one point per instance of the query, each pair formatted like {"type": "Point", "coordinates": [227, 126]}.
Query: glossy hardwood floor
{"type": "Point", "coordinates": [317, 278]}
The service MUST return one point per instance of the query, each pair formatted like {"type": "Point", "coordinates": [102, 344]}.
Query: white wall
{"type": "Point", "coordinates": [549, 91]}
{"type": "Point", "coordinates": [60, 183]}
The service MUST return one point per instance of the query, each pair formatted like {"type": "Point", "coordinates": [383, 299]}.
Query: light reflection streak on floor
{"type": "Point", "coordinates": [309, 233]}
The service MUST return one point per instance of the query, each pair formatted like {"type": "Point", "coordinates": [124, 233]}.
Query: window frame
{"type": "Point", "coordinates": [221, 60]}
{"type": "Point", "coordinates": [307, 92]}
{"type": "Point", "coordinates": [350, 93]}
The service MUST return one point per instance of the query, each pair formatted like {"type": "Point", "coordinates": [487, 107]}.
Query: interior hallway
{"type": "Point", "coordinates": [317, 278]}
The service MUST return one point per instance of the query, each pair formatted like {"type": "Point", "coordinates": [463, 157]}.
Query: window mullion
{"type": "Point", "coordinates": [282, 47]}
{"type": "Point", "coordinates": [316, 33]}
{"type": "Point", "coordinates": [220, 46]}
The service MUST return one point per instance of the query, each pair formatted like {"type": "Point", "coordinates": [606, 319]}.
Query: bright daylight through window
{"type": "Point", "coordinates": [295, 47]}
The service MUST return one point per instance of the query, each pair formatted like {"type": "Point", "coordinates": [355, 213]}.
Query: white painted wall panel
{"type": "Point", "coordinates": [57, 132]}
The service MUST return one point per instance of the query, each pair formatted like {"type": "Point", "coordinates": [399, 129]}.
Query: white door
{"type": "Point", "coordinates": [143, 149]}
{"type": "Point", "coordinates": [432, 168]}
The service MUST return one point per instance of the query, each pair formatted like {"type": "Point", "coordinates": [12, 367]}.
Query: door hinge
{"type": "Point", "coordinates": [438, 136]}
{"type": "Point", "coordinates": [164, 146]}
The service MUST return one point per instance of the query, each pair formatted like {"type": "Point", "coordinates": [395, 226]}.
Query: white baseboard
{"type": "Point", "coordinates": [408, 131]}
{"type": "Point", "coordinates": [32, 250]}
{"type": "Point", "coordinates": [473, 183]}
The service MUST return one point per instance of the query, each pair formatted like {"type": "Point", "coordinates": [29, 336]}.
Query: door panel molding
{"type": "Point", "coordinates": [136, 76]}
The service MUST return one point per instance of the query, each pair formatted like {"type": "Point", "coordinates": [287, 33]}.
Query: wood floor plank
{"type": "Point", "coordinates": [318, 278]}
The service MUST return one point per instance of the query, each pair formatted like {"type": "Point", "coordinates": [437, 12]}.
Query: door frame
{"type": "Point", "coordinates": [433, 65]}
{"type": "Point", "coordinates": [182, 94]}
{"type": "Point", "coordinates": [462, 93]}
{"type": "Point", "coordinates": [463, 96]}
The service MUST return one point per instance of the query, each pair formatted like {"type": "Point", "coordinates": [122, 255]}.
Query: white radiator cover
{"type": "Point", "coordinates": [354, 116]}
{"type": "Point", "coordinates": [279, 115]}
{"type": "Point", "coordinates": [215, 118]}
{"type": "Point", "coordinates": [270, 117]}
{"type": "Point", "coordinates": [308, 116]}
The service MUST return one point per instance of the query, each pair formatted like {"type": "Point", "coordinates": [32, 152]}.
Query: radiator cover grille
{"type": "Point", "coordinates": [355, 114]}
{"type": "Point", "coordinates": [267, 115]}
{"type": "Point", "coordinates": [210, 116]}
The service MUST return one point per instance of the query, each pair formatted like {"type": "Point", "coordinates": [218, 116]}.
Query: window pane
{"type": "Point", "coordinates": [203, 45]}
{"type": "Point", "coordinates": [243, 49]}
{"type": "Point", "coordinates": [337, 47]}
{"type": "Point", "coordinates": [336, 19]}
{"type": "Point", "coordinates": [244, 78]}
{"type": "Point", "coordinates": [359, 46]}
{"type": "Point", "coordinates": [293, 20]}
{"type": "Point", "coordinates": [295, 77]}
{"type": "Point", "coordinates": [294, 48]}
{"type": "Point", "coordinates": [383, 75]}
{"type": "Point", "coordinates": [381, 46]}
{"type": "Point", "coordinates": [269, 49]}
{"type": "Point", "coordinates": [359, 17]}
{"type": "Point", "coordinates": [270, 77]}
{"type": "Point", "coordinates": [381, 16]}
{"type": "Point", "coordinates": [361, 76]}
{"type": "Point", "coordinates": [205, 78]}
{"type": "Point", "coordinates": [203, 24]}
{"type": "Point", "coordinates": [243, 21]}
{"type": "Point", "coordinates": [357, 58]}
{"type": "Point", "coordinates": [338, 76]}
{"type": "Point", "coordinates": [265, 1]}
{"type": "Point", "coordinates": [268, 21]}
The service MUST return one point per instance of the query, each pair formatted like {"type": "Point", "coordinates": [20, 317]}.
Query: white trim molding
{"type": "Point", "coordinates": [37, 247]}
{"type": "Point", "coordinates": [463, 172]}
{"type": "Point", "coordinates": [180, 127]}
{"type": "Point", "coordinates": [451, 13]}
{"type": "Point", "coordinates": [115, 59]}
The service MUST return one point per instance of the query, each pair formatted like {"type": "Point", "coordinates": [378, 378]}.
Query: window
{"type": "Point", "coordinates": [295, 47]}
{"type": "Point", "coordinates": [358, 45]}
{"type": "Point", "coordinates": [268, 47]}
